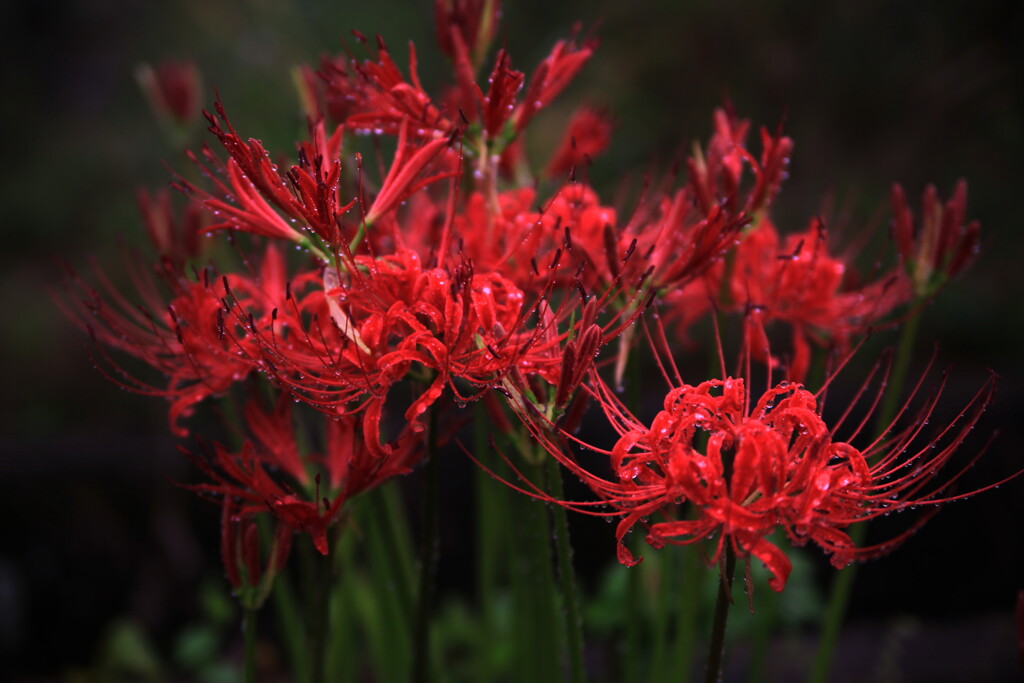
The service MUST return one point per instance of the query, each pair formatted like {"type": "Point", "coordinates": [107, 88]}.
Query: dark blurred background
{"type": "Point", "coordinates": [95, 533]}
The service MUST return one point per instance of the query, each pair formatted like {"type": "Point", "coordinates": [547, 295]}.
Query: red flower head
{"type": "Point", "coordinates": [744, 471]}
{"type": "Point", "coordinates": [465, 28]}
{"type": "Point", "coordinates": [941, 246]}
{"type": "Point", "coordinates": [201, 340]}
{"type": "Point", "coordinates": [588, 135]}
{"type": "Point", "coordinates": [172, 89]}
{"type": "Point", "coordinates": [269, 473]}
{"type": "Point", "coordinates": [797, 281]}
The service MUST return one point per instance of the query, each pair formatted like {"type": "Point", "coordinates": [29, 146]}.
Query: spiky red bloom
{"type": "Point", "coordinates": [587, 135]}
{"type": "Point", "coordinates": [797, 281]}
{"type": "Point", "coordinates": [269, 474]}
{"type": "Point", "coordinates": [745, 471]}
{"type": "Point", "coordinates": [193, 339]}
{"type": "Point", "coordinates": [379, 97]}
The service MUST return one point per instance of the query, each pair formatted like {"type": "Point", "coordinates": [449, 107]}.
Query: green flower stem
{"type": "Point", "coordinates": [534, 589]}
{"type": "Point", "coordinates": [842, 586]}
{"type": "Point", "coordinates": [665, 574]}
{"type": "Point", "coordinates": [387, 599]}
{"type": "Point", "coordinates": [688, 594]}
{"type": "Point", "coordinates": [716, 648]}
{"type": "Point", "coordinates": [428, 561]}
{"type": "Point", "coordinates": [634, 610]}
{"type": "Point", "coordinates": [249, 631]}
{"type": "Point", "coordinates": [318, 601]}
{"type": "Point", "coordinates": [567, 575]}
{"type": "Point", "coordinates": [387, 512]}
{"type": "Point", "coordinates": [343, 649]}
{"type": "Point", "coordinates": [294, 630]}
{"type": "Point", "coordinates": [898, 376]}
{"type": "Point", "coordinates": [765, 620]}
{"type": "Point", "coordinates": [489, 532]}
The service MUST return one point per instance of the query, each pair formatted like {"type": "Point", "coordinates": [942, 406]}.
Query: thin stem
{"type": "Point", "coordinates": [490, 532]}
{"type": "Point", "coordinates": [716, 648]}
{"type": "Point", "coordinates": [634, 576]}
{"type": "Point", "coordinates": [688, 597]}
{"type": "Point", "coordinates": [249, 631]}
{"type": "Point", "coordinates": [898, 376]}
{"type": "Point", "coordinates": [842, 586]}
{"type": "Point", "coordinates": [292, 627]}
{"type": "Point", "coordinates": [318, 602]}
{"type": "Point", "coordinates": [342, 652]}
{"type": "Point", "coordinates": [567, 575]}
{"type": "Point", "coordinates": [428, 561]}
{"type": "Point", "coordinates": [634, 611]}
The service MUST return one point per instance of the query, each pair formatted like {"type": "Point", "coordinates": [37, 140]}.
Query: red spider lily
{"type": "Point", "coordinates": [251, 477]}
{"type": "Point", "coordinates": [304, 201]}
{"type": "Point", "coordinates": [746, 471]}
{"type": "Point", "coordinates": [342, 347]}
{"type": "Point", "coordinates": [193, 340]}
{"type": "Point", "coordinates": [257, 193]}
{"type": "Point", "coordinates": [587, 135]}
{"type": "Point", "coordinates": [403, 178]}
{"type": "Point", "coordinates": [465, 28]}
{"type": "Point", "coordinates": [176, 239]}
{"type": "Point", "coordinates": [551, 77]}
{"type": "Point", "coordinates": [716, 177]}
{"type": "Point", "coordinates": [523, 242]}
{"type": "Point", "coordinates": [798, 282]}
{"type": "Point", "coordinates": [379, 97]}
{"type": "Point", "coordinates": [944, 244]}
{"type": "Point", "coordinates": [173, 90]}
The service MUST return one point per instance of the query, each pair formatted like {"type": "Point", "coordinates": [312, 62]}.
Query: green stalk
{"type": "Point", "coordinates": [764, 622]}
{"type": "Point", "coordinates": [428, 561]}
{"type": "Point", "coordinates": [341, 664]}
{"type": "Point", "coordinates": [387, 607]}
{"type": "Point", "coordinates": [318, 601]}
{"type": "Point", "coordinates": [249, 630]}
{"type": "Point", "coordinates": [567, 575]}
{"type": "Point", "coordinates": [386, 509]}
{"type": "Point", "coordinates": [291, 626]}
{"type": "Point", "coordinates": [489, 532]}
{"type": "Point", "coordinates": [634, 611]}
{"type": "Point", "coordinates": [842, 586]}
{"type": "Point", "coordinates": [716, 648]}
{"type": "Point", "coordinates": [688, 594]}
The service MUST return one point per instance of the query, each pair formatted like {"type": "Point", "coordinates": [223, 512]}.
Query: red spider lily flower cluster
{"type": "Point", "coordinates": [405, 281]}
{"type": "Point", "coordinates": [458, 273]}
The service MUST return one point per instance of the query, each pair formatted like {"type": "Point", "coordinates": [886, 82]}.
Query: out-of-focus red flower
{"type": "Point", "coordinates": [379, 98]}
{"type": "Point", "coordinates": [587, 135]}
{"type": "Point", "coordinates": [193, 337]}
{"type": "Point", "coordinates": [797, 281]}
{"type": "Point", "coordinates": [176, 238]}
{"type": "Point", "coordinates": [941, 246]}
{"type": "Point", "coordinates": [313, 491]}
{"type": "Point", "coordinates": [716, 177]}
{"type": "Point", "coordinates": [173, 90]}
{"type": "Point", "coordinates": [465, 28]}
